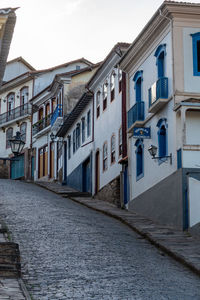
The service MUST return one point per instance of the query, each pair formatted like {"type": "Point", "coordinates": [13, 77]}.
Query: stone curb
{"type": "Point", "coordinates": [146, 235]}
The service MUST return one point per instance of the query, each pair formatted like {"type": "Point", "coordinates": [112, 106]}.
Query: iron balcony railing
{"type": "Point", "coordinates": [158, 90]}
{"type": "Point", "coordinates": [42, 124]}
{"type": "Point", "coordinates": [57, 113]}
{"type": "Point", "coordinates": [136, 113]}
{"type": "Point", "coordinates": [15, 113]}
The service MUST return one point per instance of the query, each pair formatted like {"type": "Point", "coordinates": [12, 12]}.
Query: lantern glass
{"type": "Point", "coordinates": [152, 150]}
{"type": "Point", "coordinates": [16, 144]}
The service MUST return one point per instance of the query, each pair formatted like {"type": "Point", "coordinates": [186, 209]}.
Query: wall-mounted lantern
{"type": "Point", "coordinates": [153, 151]}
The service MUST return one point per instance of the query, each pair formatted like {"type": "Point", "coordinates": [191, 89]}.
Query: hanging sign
{"type": "Point", "coordinates": [142, 132]}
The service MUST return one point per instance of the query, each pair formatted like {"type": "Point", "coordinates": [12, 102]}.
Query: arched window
{"type": "Point", "coordinates": [9, 134]}
{"type": "Point", "coordinates": [98, 104]}
{"type": "Point", "coordinates": [120, 80]}
{"type": "Point", "coordinates": [139, 159]}
{"type": "Point", "coordinates": [113, 149]}
{"type": "Point", "coordinates": [160, 60]}
{"type": "Point", "coordinates": [24, 95]}
{"type": "Point", "coordinates": [23, 131]}
{"type": "Point", "coordinates": [162, 137]}
{"type": "Point", "coordinates": [112, 87]}
{"type": "Point", "coordinates": [11, 103]}
{"type": "Point", "coordinates": [105, 95]}
{"type": "Point", "coordinates": [138, 77]}
{"type": "Point", "coordinates": [105, 156]}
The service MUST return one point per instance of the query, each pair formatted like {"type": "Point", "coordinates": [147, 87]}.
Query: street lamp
{"type": "Point", "coordinates": [153, 151]}
{"type": "Point", "coordinates": [16, 144]}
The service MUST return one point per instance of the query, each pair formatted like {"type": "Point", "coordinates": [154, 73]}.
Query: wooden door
{"type": "Point", "coordinates": [40, 163]}
{"type": "Point", "coordinates": [45, 160]}
{"type": "Point", "coordinates": [52, 160]}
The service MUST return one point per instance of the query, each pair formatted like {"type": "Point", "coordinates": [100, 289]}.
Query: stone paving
{"type": "Point", "coordinates": [71, 252]}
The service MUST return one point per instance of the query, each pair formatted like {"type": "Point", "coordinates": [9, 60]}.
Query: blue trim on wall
{"type": "Point", "coordinates": [179, 158]}
{"type": "Point", "coordinates": [162, 140]}
{"type": "Point", "coordinates": [139, 159]}
{"type": "Point", "coordinates": [138, 77]}
{"type": "Point", "coordinates": [160, 60]}
{"type": "Point", "coordinates": [160, 49]}
{"type": "Point", "coordinates": [195, 39]}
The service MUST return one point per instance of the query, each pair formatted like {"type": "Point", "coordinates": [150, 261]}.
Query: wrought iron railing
{"type": "Point", "coordinates": [42, 124]}
{"type": "Point", "coordinates": [57, 113]}
{"type": "Point", "coordinates": [136, 113]}
{"type": "Point", "coordinates": [15, 113]}
{"type": "Point", "coordinates": [158, 90]}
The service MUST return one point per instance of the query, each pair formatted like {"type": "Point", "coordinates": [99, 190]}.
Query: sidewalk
{"type": "Point", "coordinates": [178, 244]}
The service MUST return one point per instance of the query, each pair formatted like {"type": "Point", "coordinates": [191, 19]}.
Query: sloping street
{"type": "Point", "coordinates": [71, 252]}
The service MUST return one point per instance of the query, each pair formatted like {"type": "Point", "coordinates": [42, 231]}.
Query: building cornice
{"type": "Point", "coordinates": [157, 24]}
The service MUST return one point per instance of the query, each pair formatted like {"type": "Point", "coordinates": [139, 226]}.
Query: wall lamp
{"type": "Point", "coordinates": [153, 151]}
{"type": "Point", "coordinates": [52, 136]}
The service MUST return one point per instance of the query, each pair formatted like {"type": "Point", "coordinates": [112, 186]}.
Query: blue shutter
{"type": "Point", "coordinates": [162, 141]}
{"type": "Point", "coordinates": [161, 65]}
{"type": "Point", "coordinates": [179, 159]}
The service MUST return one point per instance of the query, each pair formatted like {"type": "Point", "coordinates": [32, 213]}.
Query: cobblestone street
{"type": "Point", "coordinates": [71, 252]}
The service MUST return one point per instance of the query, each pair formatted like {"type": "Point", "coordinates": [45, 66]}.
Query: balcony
{"type": "Point", "coordinates": [158, 95]}
{"type": "Point", "coordinates": [57, 118]}
{"type": "Point", "coordinates": [42, 124]}
{"type": "Point", "coordinates": [136, 114]}
{"type": "Point", "coordinates": [15, 114]}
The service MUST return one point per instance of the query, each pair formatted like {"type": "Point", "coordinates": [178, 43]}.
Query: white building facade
{"type": "Point", "coordinates": [162, 67]}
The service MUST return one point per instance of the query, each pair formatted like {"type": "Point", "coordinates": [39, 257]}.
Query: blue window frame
{"type": "Point", "coordinates": [74, 140]}
{"type": "Point", "coordinates": [160, 60]}
{"type": "Point", "coordinates": [69, 146]}
{"type": "Point", "coordinates": [138, 78]}
{"type": "Point", "coordinates": [77, 136]}
{"type": "Point", "coordinates": [196, 53]}
{"type": "Point", "coordinates": [162, 138]}
{"type": "Point", "coordinates": [139, 159]}
{"type": "Point", "coordinates": [88, 123]}
{"type": "Point", "coordinates": [83, 129]}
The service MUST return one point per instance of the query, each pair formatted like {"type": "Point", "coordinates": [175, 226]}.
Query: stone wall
{"type": "Point", "coordinates": [4, 169]}
{"type": "Point", "coordinates": [110, 192]}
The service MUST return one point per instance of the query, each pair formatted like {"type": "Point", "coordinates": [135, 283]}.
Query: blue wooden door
{"type": "Point", "coordinates": [126, 186]}
{"type": "Point", "coordinates": [32, 166]}
{"type": "Point", "coordinates": [17, 167]}
{"type": "Point", "coordinates": [86, 177]}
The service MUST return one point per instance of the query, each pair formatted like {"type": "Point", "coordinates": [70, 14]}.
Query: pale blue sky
{"type": "Point", "coordinates": [51, 32]}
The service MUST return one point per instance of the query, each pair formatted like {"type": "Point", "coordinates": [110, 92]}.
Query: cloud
{"type": "Point", "coordinates": [72, 5]}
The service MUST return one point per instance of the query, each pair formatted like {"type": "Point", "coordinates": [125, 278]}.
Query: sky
{"type": "Point", "coordinates": [52, 32]}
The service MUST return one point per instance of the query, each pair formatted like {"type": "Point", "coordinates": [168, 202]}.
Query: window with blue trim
{"type": "Point", "coordinates": [88, 123]}
{"type": "Point", "coordinates": [196, 53]}
{"type": "Point", "coordinates": [139, 159]}
{"type": "Point", "coordinates": [138, 77]}
{"type": "Point", "coordinates": [78, 136]}
{"type": "Point", "coordinates": [162, 138]}
{"type": "Point", "coordinates": [83, 129]}
{"type": "Point", "coordinates": [160, 60]}
{"type": "Point", "coordinates": [69, 146]}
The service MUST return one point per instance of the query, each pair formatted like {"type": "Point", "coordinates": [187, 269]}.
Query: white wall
{"type": "Point", "coordinates": [193, 127]}
{"type": "Point", "coordinates": [83, 151]}
{"type": "Point", "coordinates": [105, 126]}
{"type": "Point", "coordinates": [191, 82]}
{"type": "Point", "coordinates": [154, 172]}
{"type": "Point", "coordinates": [14, 69]}
{"type": "Point", "coordinates": [44, 79]}
{"type": "Point", "coordinates": [149, 68]}
{"type": "Point", "coordinates": [194, 201]}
